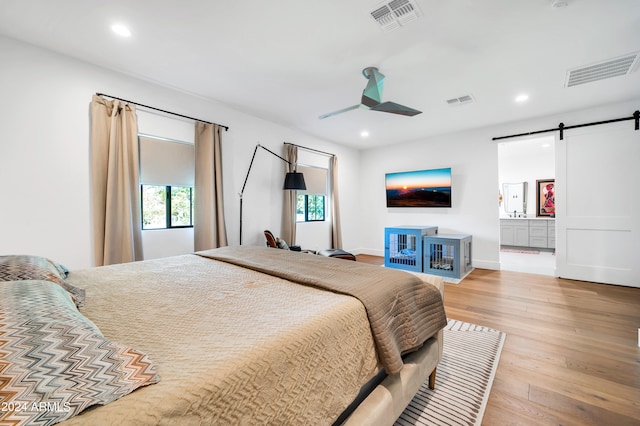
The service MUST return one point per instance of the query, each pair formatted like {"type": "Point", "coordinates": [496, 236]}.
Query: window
{"type": "Point", "coordinates": [166, 206]}
{"type": "Point", "coordinates": [166, 183]}
{"type": "Point", "coordinates": [311, 203]}
{"type": "Point", "coordinates": [310, 208]}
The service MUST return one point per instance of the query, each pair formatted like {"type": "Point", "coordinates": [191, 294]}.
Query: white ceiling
{"type": "Point", "coordinates": [290, 61]}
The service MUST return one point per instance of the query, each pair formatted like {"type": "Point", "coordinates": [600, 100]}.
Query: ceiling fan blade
{"type": "Point", "coordinates": [395, 108]}
{"type": "Point", "coordinates": [340, 111]}
{"type": "Point", "coordinates": [372, 97]}
{"type": "Point", "coordinates": [372, 93]}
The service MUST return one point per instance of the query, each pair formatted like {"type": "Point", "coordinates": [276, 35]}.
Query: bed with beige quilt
{"type": "Point", "coordinates": [237, 335]}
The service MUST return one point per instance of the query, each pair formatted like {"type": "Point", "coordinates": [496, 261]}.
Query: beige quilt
{"type": "Point", "coordinates": [232, 345]}
{"type": "Point", "coordinates": [403, 311]}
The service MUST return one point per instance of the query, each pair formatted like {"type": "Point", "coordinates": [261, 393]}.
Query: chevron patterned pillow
{"type": "Point", "coordinates": [26, 267]}
{"type": "Point", "coordinates": [54, 362]}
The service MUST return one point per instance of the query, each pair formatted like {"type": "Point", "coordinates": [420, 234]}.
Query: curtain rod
{"type": "Point", "coordinates": [311, 149]}
{"type": "Point", "coordinates": [226, 128]}
{"type": "Point", "coordinates": [561, 127]}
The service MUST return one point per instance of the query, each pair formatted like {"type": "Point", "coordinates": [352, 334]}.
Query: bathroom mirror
{"type": "Point", "coordinates": [515, 198]}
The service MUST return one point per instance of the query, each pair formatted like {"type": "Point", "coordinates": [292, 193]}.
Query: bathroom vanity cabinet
{"type": "Point", "coordinates": [523, 232]}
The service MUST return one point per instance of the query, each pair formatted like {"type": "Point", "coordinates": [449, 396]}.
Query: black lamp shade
{"type": "Point", "coordinates": [294, 181]}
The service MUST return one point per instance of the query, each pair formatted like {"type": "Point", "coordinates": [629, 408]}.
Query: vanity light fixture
{"type": "Point", "coordinates": [121, 30]}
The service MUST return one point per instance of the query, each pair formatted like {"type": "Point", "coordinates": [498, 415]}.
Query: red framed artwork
{"type": "Point", "coordinates": [545, 198]}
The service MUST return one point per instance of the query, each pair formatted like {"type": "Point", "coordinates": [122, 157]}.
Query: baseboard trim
{"type": "Point", "coordinates": [486, 264]}
{"type": "Point", "coordinates": [370, 252]}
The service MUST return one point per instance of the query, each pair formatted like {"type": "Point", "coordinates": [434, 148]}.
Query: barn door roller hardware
{"type": "Point", "coordinates": [561, 127]}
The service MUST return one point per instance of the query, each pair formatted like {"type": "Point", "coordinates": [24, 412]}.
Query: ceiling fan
{"type": "Point", "coordinates": [372, 97]}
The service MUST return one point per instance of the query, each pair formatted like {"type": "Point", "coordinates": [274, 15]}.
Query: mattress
{"type": "Point", "coordinates": [232, 345]}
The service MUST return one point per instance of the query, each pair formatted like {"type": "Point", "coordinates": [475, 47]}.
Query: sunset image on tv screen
{"type": "Point", "coordinates": [423, 188]}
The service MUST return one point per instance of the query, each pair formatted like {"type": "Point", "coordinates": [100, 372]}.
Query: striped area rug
{"type": "Point", "coordinates": [463, 381]}
{"type": "Point", "coordinates": [525, 251]}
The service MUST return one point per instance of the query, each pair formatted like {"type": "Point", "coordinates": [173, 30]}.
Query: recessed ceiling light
{"type": "Point", "coordinates": [522, 98]}
{"type": "Point", "coordinates": [121, 30]}
{"type": "Point", "coordinates": [364, 133]}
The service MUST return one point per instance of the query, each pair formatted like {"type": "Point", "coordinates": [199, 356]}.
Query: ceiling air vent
{"type": "Point", "coordinates": [462, 100]}
{"type": "Point", "coordinates": [395, 13]}
{"type": "Point", "coordinates": [602, 70]}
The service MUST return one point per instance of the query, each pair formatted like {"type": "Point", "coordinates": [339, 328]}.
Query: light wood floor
{"type": "Point", "coordinates": [571, 355]}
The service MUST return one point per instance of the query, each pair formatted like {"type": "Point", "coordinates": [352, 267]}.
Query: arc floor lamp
{"type": "Point", "coordinates": [292, 181]}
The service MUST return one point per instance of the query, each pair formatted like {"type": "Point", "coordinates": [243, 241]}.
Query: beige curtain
{"type": "Point", "coordinates": [290, 199]}
{"type": "Point", "coordinates": [209, 229]}
{"type": "Point", "coordinates": [336, 232]}
{"type": "Point", "coordinates": [117, 236]}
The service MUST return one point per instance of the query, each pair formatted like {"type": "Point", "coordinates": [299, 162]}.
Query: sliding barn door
{"type": "Point", "coordinates": [598, 204]}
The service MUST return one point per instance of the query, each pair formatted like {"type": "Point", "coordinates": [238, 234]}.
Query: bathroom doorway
{"type": "Point", "coordinates": [524, 162]}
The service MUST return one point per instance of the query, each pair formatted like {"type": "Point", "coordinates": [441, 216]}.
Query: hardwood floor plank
{"type": "Point", "coordinates": [586, 414]}
{"type": "Point", "coordinates": [571, 355]}
{"type": "Point", "coordinates": [601, 393]}
{"type": "Point", "coordinates": [506, 409]}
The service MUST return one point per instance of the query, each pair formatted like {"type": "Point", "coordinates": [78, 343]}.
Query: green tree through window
{"type": "Point", "coordinates": [310, 208]}
{"type": "Point", "coordinates": [181, 206]}
{"type": "Point", "coordinates": [165, 206]}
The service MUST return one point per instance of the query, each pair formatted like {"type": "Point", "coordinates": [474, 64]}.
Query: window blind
{"type": "Point", "coordinates": [166, 163]}
{"type": "Point", "coordinates": [316, 180]}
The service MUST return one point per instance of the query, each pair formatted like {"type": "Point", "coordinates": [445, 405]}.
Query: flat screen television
{"type": "Point", "coordinates": [421, 188]}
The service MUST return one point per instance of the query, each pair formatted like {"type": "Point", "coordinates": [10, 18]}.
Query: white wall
{"type": "Point", "coordinates": [474, 167]}
{"type": "Point", "coordinates": [44, 155]}
{"type": "Point", "coordinates": [473, 158]}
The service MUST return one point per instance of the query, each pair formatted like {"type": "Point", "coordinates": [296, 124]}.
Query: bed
{"type": "Point", "coordinates": [242, 335]}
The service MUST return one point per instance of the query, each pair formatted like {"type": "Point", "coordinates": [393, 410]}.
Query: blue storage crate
{"type": "Point", "coordinates": [403, 246]}
{"type": "Point", "coordinates": [447, 255]}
